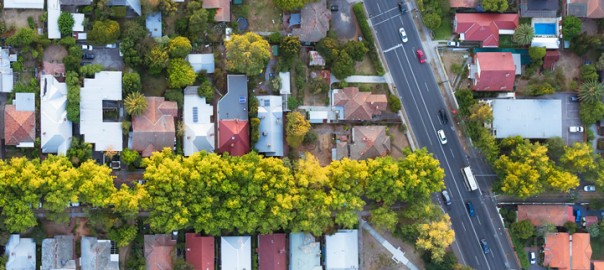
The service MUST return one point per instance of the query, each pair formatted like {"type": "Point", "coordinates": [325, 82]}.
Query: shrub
{"type": "Point", "coordinates": [456, 68]}
{"type": "Point", "coordinates": [175, 95]}
{"type": "Point", "coordinates": [309, 138]}
{"type": "Point", "coordinates": [255, 126]}
{"type": "Point", "coordinates": [292, 103]}
{"type": "Point", "coordinates": [274, 38]}
{"type": "Point", "coordinates": [369, 39]}
{"type": "Point", "coordinates": [394, 103]}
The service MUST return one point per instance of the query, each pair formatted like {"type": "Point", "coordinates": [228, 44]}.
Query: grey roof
{"type": "Point", "coordinates": [234, 104]}
{"type": "Point", "coordinates": [270, 112]}
{"type": "Point", "coordinates": [57, 253]}
{"type": "Point", "coordinates": [314, 22]}
{"type": "Point", "coordinates": [529, 118]}
{"type": "Point", "coordinates": [21, 253]}
{"type": "Point", "coordinates": [153, 24]}
{"type": "Point", "coordinates": [577, 9]}
{"type": "Point", "coordinates": [304, 252]}
{"type": "Point", "coordinates": [539, 8]}
{"type": "Point", "coordinates": [76, 2]}
{"type": "Point", "coordinates": [204, 61]}
{"type": "Point", "coordinates": [96, 255]}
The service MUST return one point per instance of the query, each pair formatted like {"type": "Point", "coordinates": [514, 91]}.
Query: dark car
{"type": "Point", "coordinates": [470, 208]}
{"type": "Point", "coordinates": [485, 247]}
{"type": "Point", "coordinates": [402, 7]}
{"type": "Point", "coordinates": [334, 8]}
{"type": "Point", "coordinates": [87, 55]}
{"type": "Point", "coordinates": [443, 116]}
{"type": "Point", "coordinates": [573, 99]}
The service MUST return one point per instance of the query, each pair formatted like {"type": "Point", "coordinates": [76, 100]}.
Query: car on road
{"type": "Point", "coordinates": [573, 99]}
{"type": "Point", "coordinates": [453, 44]}
{"type": "Point", "coordinates": [421, 56]}
{"type": "Point", "coordinates": [575, 129]}
{"type": "Point", "coordinates": [443, 116]}
{"type": "Point", "coordinates": [402, 7]}
{"type": "Point", "coordinates": [470, 208]}
{"type": "Point", "coordinates": [88, 55]}
{"type": "Point", "coordinates": [441, 136]}
{"type": "Point", "coordinates": [589, 188]}
{"type": "Point", "coordinates": [403, 35]}
{"type": "Point", "coordinates": [446, 197]}
{"type": "Point", "coordinates": [485, 247]}
{"type": "Point", "coordinates": [86, 47]}
{"type": "Point", "coordinates": [533, 257]}
{"type": "Point", "coordinates": [112, 46]}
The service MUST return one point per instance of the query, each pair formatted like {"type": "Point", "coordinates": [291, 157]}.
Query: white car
{"type": "Point", "coordinates": [453, 44]}
{"type": "Point", "coordinates": [441, 136]}
{"type": "Point", "coordinates": [111, 46]}
{"type": "Point", "coordinates": [589, 188]}
{"type": "Point", "coordinates": [403, 34]}
{"type": "Point", "coordinates": [86, 47]}
{"type": "Point", "coordinates": [575, 129]}
{"type": "Point", "coordinates": [533, 258]}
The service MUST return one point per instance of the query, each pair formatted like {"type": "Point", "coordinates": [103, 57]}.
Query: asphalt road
{"type": "Point", "coordinates": [421, 99]}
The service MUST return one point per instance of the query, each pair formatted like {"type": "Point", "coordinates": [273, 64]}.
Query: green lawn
{"type": "Point", "coordinates": [444, 31]}
{"type": "Point", "coordinates": [597, 249]}
{"type": "Point", "coordinates": [505, 41]}
{"type": "Point", "coordinates": [525, 21]}
{"type": "Point", "coordinates": [154, 85]}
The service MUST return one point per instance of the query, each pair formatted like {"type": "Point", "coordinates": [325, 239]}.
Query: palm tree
{"type": "Point", "coordinates": [135, 103]}
{"type": "Point", "coordinates": [523, 35]}
{"type": "Point", "coordinates": [591, 92]}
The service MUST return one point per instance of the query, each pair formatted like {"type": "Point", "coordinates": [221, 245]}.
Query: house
{"type": "Point", "coordinates": [98, 254]}
{"type": "Point", "coordinates": [285, 79]}
{"type": "Point", "coordinates": [199, 251]}
{"type": "Point", "coordinates": [58, 253]}
{"type": "Point", "coordinates": [590, 220]}
{"type": "Point", "coordinates": [100, 111]}
{"type": "Point", "coordinates": [76, 2]}
{"type": "Point", "coordinates": [342, 250]}
{"type": "Point", "coordinates": [567, 252]}
{"type": "Point", "coordinates": [540, 215]}
{"type": "Point", "coordinates": [550, 59]}
{"type": "Point", "coordinates": [493, 71]}
{"type": "Point", "coordinates": [24, 4]}
{"type": "Point", "coordinates": [133, 5]}
{"type": "Point", "coordinates": [236, 252]}
{"type": "Point", "coordinates": [463, 3]}
{"type": "Point", "coordinates": [528, 118]}
{"type": "Point", "coordinates": [355, 105]}
{"type": "Point", "coordinates": [234, 137]}
{"type": "Point", "coordinates": [154, 24]}
{"type": "Point", "coordinates": [270, 113]}
{"type": "Point", "coordinates": [56, 130]}
{"type": "Point", "coordinates": [316, 59]}
{"type": "Point", "coordinates": [539, 8]}
{"type": "Point", "coordinates": [20, 121]}
{"type": "Point", "coordinates": [233, 125]}
{"type": "Point", "coordinates": [54, 11]}
{"type": "Point", "coordinates": [366, 142]}
{"type": "Point", "coordinates": [154, 129]}
{"type": "Point", "coordinates": [6, 72]}
{"type": "Point", "coordinates": [199, 127]}
{"type": "Point", "coordinates": [592, 9]}
{"type": "Point", "coordinates": [78, 25]}
{"type": "Point", "coordinates": [314, 22]}
{"type": "Point", "coordinates": [159, 249]}
{"type": "Point", "coordinates": [199, 62]}
{"type": "Point", "coordinates": [304, 252]}
{"type": "Point", "coordinates": [598, 265]}
{"type": "Point", "coordinates": [223, 9]}
{"type": "Point", "coordinates": [21, 253]}
{"type": "Point", "coordinates": [272, 254]}
{"type": "Point", "coordinates": [484, 28]}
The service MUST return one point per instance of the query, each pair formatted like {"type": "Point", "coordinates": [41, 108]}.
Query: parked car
{"type": "Point", "coordinates": [86, 47]}
{"type": "Point", "coordinates": [578, 216]}
{"type": "Point", "coordinates": [533, 258]}
{"type": "Point", "coordinates": [453, 44]}
{"type": "Point", "coordinates": [589, 188]}
{"type": "Point", "coordinates": [421, 56]}
{"type": "Point", "coordinates": [112, 46]}
{"type": "Point", "coordinates": [402, 7]}
{"type": "Point", "coordinates": [443, 116]}
{"type": "Point", "coordinates": [403, 35]}
{"type": "Point", "coordinates": [334, 8]}
{"type": "Point", "coordinates": [446, 197]}
{"type": "Point", "coordinates": [573, 99]}
{"type": "Point", "coordinates": [485, 247]}
{"type": "Point", "coordinates": [88, 56]}
{"type": "Point", "coordinates": [575, 129]}
{"type": "Point", "coordinates": [470, 208]}
{"type": "Point", "coordinates": [441, 136]}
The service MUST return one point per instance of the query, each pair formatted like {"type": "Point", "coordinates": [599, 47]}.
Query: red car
{"type": "Point", "coordinates": [421, 56]}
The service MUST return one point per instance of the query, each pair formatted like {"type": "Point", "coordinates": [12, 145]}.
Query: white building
{"type": "Point", "coordinates": [54, 11]}
{"type": "Point", "coordinates": [24, 4]}
{"type": "Point", "coordinates": [21, 253]}
{"type": "Point", "coordinates": [236, 252]}
{"type": "Point", "coordinates": [6, 72]}
{"type": "Point", "coordinates": [201, 62]}
{"type": "Point", "coordinates": [55, 128]}
{"type": "Point", "coordinates": [199, 130]}
{"type": "Point", "coordinates": [342, 250]}
{"type": "Point", "coordinates": [270, 113]}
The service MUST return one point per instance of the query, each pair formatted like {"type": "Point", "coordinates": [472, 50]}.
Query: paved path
{"type": "Point", "coordinates": [397, 255]}
{"type": "Point", "coordinates": [361, 79]}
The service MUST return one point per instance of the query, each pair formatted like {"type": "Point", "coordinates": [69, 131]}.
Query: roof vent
{"type": "Point", "coordinates": [507, 75]}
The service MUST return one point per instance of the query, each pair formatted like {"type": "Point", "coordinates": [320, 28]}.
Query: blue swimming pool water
{"type": "Point", "coordinates": [545, 28]}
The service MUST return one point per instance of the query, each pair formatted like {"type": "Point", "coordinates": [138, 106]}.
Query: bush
{"type": "Point", "coordinates": [394, 103]}
{"type": "Point", "coordinates": [309, 138]}
{"type": "Point", "coordinates": [118, 12]}
{"type": "Point", "coordinates": [131, 82]}
{"type": "Point", "coordinates": [31, 22]}
{"type": "Point", "coordinates": [255, 127]}
{"type": "Point", "coordinates": [292, 103]}
{"type": "Point", "coordinates": [369, 39]}
{"type": "Point", "coordinates": [274, 38]}
{"type": "Point", "coordinates": [456, 68]}
{"type": "Point", "coordinates": [175, 95]}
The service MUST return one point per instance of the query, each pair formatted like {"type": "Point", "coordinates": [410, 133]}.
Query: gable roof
{"type": "Point", "coordinates": [589, 220]}
{"type": "Point", "coordinates": [21, 253]}
{"type": "Point", "coordinates": [270, 113]}
{"type": "Point", "coordinates": [199, 132]}
{"type": "Point", "coordinates": [493, 71]}
{"type": "Point", "coordinates": [272, 252]}
{"type": "Point", "coordinates": [154, 129]}
{"type": "Point", "coordinates": [556, 250]}
{"type": "Point", "coordinates": [200, 251]}
{"type": "Point", "coordinates": [204, 61]}
{"type": "Point", "coordinates": [154, 24]}
{"type": "Point", "coordinates": [96, 255]}
{"type": "Point", "coordinates": [463, 3]}
{"type": "Point", "coordinates": [20, 121]}
{"type": "Point", "coordinates": [314, 22]}
{"type": "Point", "coordinates": [342, 250]}
{"type": "Point", "coordinates": [304, 252]}
{"type": "Point", "coordinates": [106, 85]}
{"type": "Point", "coordinates": [6, 72]}
{"type": "Point", "coordinates": [236, 252]}
{"type": "Point", "coordinates": [56, 130]}
{"type": "Point", "coordinates": [233, 105]}
{"type": "Point", "coordinates": [598, 265]}
{"type": "Point", "coordinates": [358, 105]}
{"type": "Point", "coordinates": [581, 251]}
{"type": "Point", "coordinates": [24, 4]}
{"type": "Point", "coordinates": [54, 11]}
{"type": "Point", "coordinates": [369, 142]}
{"type": "Point", "coordinates": [484, 27]}
{"type": "Point", "coordinates": [540, 215]}
{"type": "Point", "coordinates": [234, 137]}
{"type": "Point", "coordinates": [58, 253]}
{"type": "Point", "coordinates": [158, 251]}
{"type": "Point", "coordinates": [593, 9]}
{"type": "Point", "coordinates": [223, 9]}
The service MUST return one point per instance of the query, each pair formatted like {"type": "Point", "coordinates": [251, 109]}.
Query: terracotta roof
{"type": "Point", "coordinates": [154, 129]}
{"type": "Point", "coordinates": [19, 126]}
{"type": "Point", "coordinates": [463, 3]}
{"type": "Point", "coordinates": [495, 71]}
{"type": "Point", "coordinates": [556, 250]}
{"type": "Point", "coordinates": [539, 215]}
{"type": "Point", "coordinates": [369, 142]}
{"type": "Point", "coordinates": [200, 251]}
{"type": "Point", "coordinates": [593, 9]}
{"type": "Point", "coordinates": [158, 251]}
{"type": "Point", "coordinates": [591, 220]}
{"type": "Point", "coordinates": [359, 105]}
{"type": "Point", "coordinates": [484, 27]}
{"type": "Point", "coordinates": [234, 137]}
{"type": "Point", "coordinates": [598, 265]}
{"type": "Point", "coordinates": [223, 9]}
{"type": "Point", "coordinates": [581, 252]}
{"type": "Point", "coordinates": [272, 252]}
{"type": "Point", "coordinates": [551, 58]}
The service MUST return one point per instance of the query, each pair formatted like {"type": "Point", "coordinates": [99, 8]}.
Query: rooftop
{"type": "Point", "coordinates": [358, 105]}
{"type": "Point", "coordinates": [528, 118]}
{"type": "Point", "coordinates": [369, 142]}
{"type": "Point", "coordinates": [342, 250]}
{"type": "Point", "coordinates": [154, 24]}
{"type": "Point", "coordinates": [270, 113]}
{"type": "Point", "coordinates": [314, 22]}
{"type": "Point", "coordinates": [199, 129]}
{"type": "Point", "coordinates": [304, 252]}
{"type": "Point", "coordinates": [539, 8]}
{"type": "Point", "coordinates": [58, 253]}
{"type": "Point", "coordinates": [20, 121]}
{"type": "Point", "coordinates": [234, 104]}
{"type": "Point", "coordinates": [236, 252]}
{"type": "Point", "coordinates": [24, 4]}
{"type": "Point", "coordinates": [6, 72]}
{"type": "Point", "coordinates": [96, 255]}
{"type": "Point", "coordinates": [463, 3]}
{"type": "Point", "coordinates": [201, 62]}
{"type": "Point", "coordinates": [53, 11]}
{"type": "Point", "coordinates": [493, 71]}
{"type": "Point", "coordinates": [272, 254]}
{"type": "Point", "coordinates": [78, 25]}
{"type": "Point", "coordinates": [593, 9]}
{"type": "Point", "coordinates": [234, 137]}
{"type": "Point", "coordinates": [135, 5]}
{"type": "Point", "coordinates": [21, 253]}
{"type": "Point", "coordinates": [56, 130]}
{"type": "Point", "coordinates": [285, 78]}
{"type": "Point", "coordinates": [154, 129]}
{"type": "Point", "coordinates": [159, 249]}
{"type": "Point", "coordinates": [484, 27]}
{"type": "Point", "coordinates": [565, 252]}
{"type": "Point", "coordinates": [540, 215]}
{"type": "Point", "coordinates": [200, 251]}
{"type": "Point", "coordinates": [223, 9]}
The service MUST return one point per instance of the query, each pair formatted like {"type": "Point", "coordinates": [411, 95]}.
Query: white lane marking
{"type": "Point", "coordinates": [393, 48]}
{"type": "Point", "coordinates": [478, 220]}
{"type": "Point", "coordinates": [452, 154]}
{"type": "Point", "coordinates": [464, 226]}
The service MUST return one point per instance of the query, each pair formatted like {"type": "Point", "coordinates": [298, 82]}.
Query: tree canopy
{"type": "Point", "coordinates": [180, 73]}
{"type": "Point", "coordinates": [288, 5]}
{"type": "Point", "coordinates": [135, 103]}
{"type": "Point", "coordinates": [296, 128]}
{"type": "Point", "coordinates": [523, 35]}
{"type": "Point", "coordinates": [104, 32]}
{"type": "Point", "coordinates": [66, 23]}
{"type": "Point", "coordinates": [248, 53]}
{"type": "Point", "coordinates": [495, 5]}
{"type": "Point", "coordinates": [179, 47]}
{"type": "Point", "coordinates": [571, 27]}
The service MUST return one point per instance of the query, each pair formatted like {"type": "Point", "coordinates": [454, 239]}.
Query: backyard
{"type": "Point", "coordinates": [153, 86]}
{"type": "Point", "coordinates": [262, 15]}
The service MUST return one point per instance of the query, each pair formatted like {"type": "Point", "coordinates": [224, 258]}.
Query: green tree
{"type": "Point", "coordinates": [495, 5]}
{"type": "Point", "coordinates": [591, 112]}
{"type": "Point", "coordinates": [104, 32]}
{"type": "Point", "coordinates": [583, 42]}
{"type": "Point", "coordinates": [555, 148]}
{"type": "Point", "coordinates": [356, 50]}
{"type": "Point", "coordinates": [384, 218]}
{"type": "Point", "coordinates": [66, 23]}
{"type": "Point", "coordinates": [394, 103]}
{"type": "Point", "coordinates": [343, 66]}
{"type": "Point", "coordinates": [135, 103]}
{"type": "Point", "coordinates": [206, 90]}
{"type": "Point", "coordinates": [198, 23]}
{"type": "Point", "coordinates": [123, 234]}
{"type": "Point", "coordinates": [130, 157]}
{"type": "Point", "coordinates": [481, 113]}
{"type": "Point", "coordinates": [588, 73]}
{"type": "Point", "coordinates": [523, 229]}
{"type": "Point", "coordinates": [90, 69]}
{"type": "Point", "coordinates": [179, 47]}
{"type": "Point", "coordinates": [255, 127]}
{"type": "Point", "coordinates": [432, 20]}
{"type": "Point", "coordinates": [591, 92]}
{"type": "Point", "coordinates": [289, 47]}
{"type": "Point", "coordinates": [542, 89]}
{"type": "Point", "coordinates": [600, 63]}
{"type": "Point", "coordinates": [288, 5]}
{"type": "Point", "coordinates": [593, 230]}
{"type": "Point", "coordinates": [23, 37]}
{"type": "Point", "coordinates": [571, 227]}
{"type": "Point", "coordinates": [79, 151]}
{"type": "Point", "coordinates": [60, 185]}
{"type": "Point", "coordinates": [18, 193]}
{"type": "Point", "coordinates": [571, 27]}
{"type": "Point", "coordinates": [73, 96]}
{"type": "Point", "coordinates": [248, 53]}
{"type": "Point", "coordinates": [168, 7]}
{"type": "Point", "coordinates": [328, 48]}
{"type": "Point", "coordinates": [131, 82]}
{"type": "Point", "coordinates": [157, 60]}
{"type": "Point", "coordinates": [97, 184]}
{"type": "Point", "coordinates": [537, 53]}
{"type": "Point", "coordinates": [180, 73]}
{"type": "Point", "coordinates": [297, 126]}
{"type": "Point", "coordinates": [133, 30]}
{"type": "Point", "coordinates": [523, 35]}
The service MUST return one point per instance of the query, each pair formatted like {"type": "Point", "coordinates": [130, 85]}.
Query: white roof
{"type": "Point", "coordinates": [285, 83]}
{"type": "Point", "coordinates": [342, 250]}
{"type": "Point", "coordinates": [25, 102]}
{"type": "Point", "coordinates": [21, 253]}
{"type": "Point", "coordinates": [317, 117]}
{"type": "Point", "coordinates": [547, 42]}
{"type": "Point", "coordinates": [202, 61]}
{"type": "Point", "coordinates": [199, 135]}
{"type": "Point", "coordinates": [78, 25]}
{"type": "Point", "coordinates": [236, 252]}
{"type": "Point", "coordinates": [106, 85]}
{"type": "Point", "coordinates": [529, 118]}
{"type": "Point", "coordinates": [54, 11]}
{"type": "Point", "coordinates": [6, 72]}
{"type": "Point", "coordinates": [25, 4]}
{"type": "Point", "coordinates": [304, 252]}
{"type": "Point", "coordinates": [56, 129]}
{"type": "Point", "coordinates": [270, 112]}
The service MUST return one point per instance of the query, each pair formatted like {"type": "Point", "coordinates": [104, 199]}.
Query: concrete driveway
{"type": "Point", "coordinates": [343, 21]}
{"type": "Point", "coordinates": [570, 117]}
{"type": "Point", "coordinates": [109, 58]}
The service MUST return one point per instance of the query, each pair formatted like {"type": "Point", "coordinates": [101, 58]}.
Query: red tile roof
{"type": "Point", "coordinates": [369, 142]}
{"type": "Point", "coordinates": [539, 215]}
{"type": "Point", "coordinates": [551, 57]}
{"type": "Point", "coordinates": [484, 27]}
{"type": "Point", "coordinates": [234, 137]}
{"type": "Point", "coordinates": [557, 250]}
{"type": "Point", "coordinates": [581, 252]}
{"type": "Point", "coordinates": [272, 252]}
{"type": "Point", "coordinates": [223, 9]}
{"type": "Point", "coordinates": [359, 105]}
{"type": "Point", "coordinates": [200, 251]}
{"type": "Point", "coordinates": [598, 265]}
{"type": "Point", "coordinates": [591, 220]}
{"type": "Point", "coordinates": [158, 251]}
{"type": "Point", "coordinates": [19, 126]}
{"type": "Point", "coordinates": [154, 129]}
{"type": "Point", "coordinates": [463, 3]}
{"type": "Point", "coordinates": [495, 71]}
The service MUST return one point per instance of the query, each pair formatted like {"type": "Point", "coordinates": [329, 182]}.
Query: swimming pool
{"type": "Point", "coordinates": [544, 29]}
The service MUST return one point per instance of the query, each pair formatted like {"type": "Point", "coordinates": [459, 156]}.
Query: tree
{"type": "Point", "coordinates": [135, 103]}
{"type": "Point", "coordinates": [79, 151]}
{"type": "Point", "coordinates": [198, 23]}
{"type": "Point", "coordinates": [328, 48]}
{"type": "Point", "coordinates": [495, 5]}
{"type": "Point", "coordinates": [179, 47]}
{"type": "Point", "coordinates": [578, 158]}
{"type": "Point", "coordinates": [343, 66]}
{"type": "Point", "coordinates": [180, 73]}
{"type": "Point", "coordinates": [128, 201]}
{"type": "Point", "coordinates": [168, 7]}
{"type": "Point", "coordinates": [104, 32]}
{"type": "Point", "coordinates": [571, 227]}
{"type": "Point", "coordinates": [591, 92]}
{"type": "Point", "coordinates": [288, 5]}
{"type": "Point", "coordinates": [60, 185]}
{"type": "Point", "coordinates": [157, 60]}
{"type": "Point", "coordinates": [432, 20]}
{"type": "Point", "coordinates": [289, 47]}
{"type": "Point", "coordinates": [255, 127]}
{"type": "Point", "coordinates": [131, 82]}
{"type": "Point", "coordinates": [523, 229]}
{"type": "Point", "coordinates": [296, 128]}
{"type": "Point", "coordinates": [542, 89]}
{"type": "Point", "coordinates": [248, 53]}
{"type": "Point", "coordinates": [90, 69]}
{"type": "Point", "coordinates": [123, 234]}
{"type": "Point", "coordinates": [583, 42]}
{"type": "Point", "coordinates": [356, 50]}
{"type": "Point", "coordinates": [537, 53]}
{"type": "Point", "coordinates": [588, 73]}
{"type": "Point", "coordinates": [73, 97]}
{"type": "Point", "coordinates": [591, 112]}
{"type": "Point", "coordinates": [206, 90]}
{"type": "Point", "coordinates": [571, 27]}
{"type": "Point", "coordinates": [130, 157]}
{"type": "Point", "coordinates": [593, 230]}
{"type": "Point", "coordinates": [481, 113]}
{"type": "Point", "coordinates": [97, 184]}
{"type": "Point", "coordinates": [600, 63]}
{"type": "Point", "coordinates": [555, 148]}
{"type": "Point", "coordinates": [394, 103]}
{"type": "Point", "coordinates": [523, 35]}
{"type": "Point", "coordinates": [66, 23]}
{"type": "Point", "coordinates": [133, 30]}
{"type": "Point", "coordinates": [435, 237]}
{"type": "Point", "coordinates": [23, 37]}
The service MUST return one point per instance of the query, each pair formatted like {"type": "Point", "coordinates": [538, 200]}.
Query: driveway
{"type": "Point", "coordinates": [570, 117]}
{"type": "Point", "coordinates": [109, 58]}
{"type": "Point", "coordinates": [343, 21]}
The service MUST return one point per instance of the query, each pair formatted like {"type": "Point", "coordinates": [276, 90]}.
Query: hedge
{"type": "Point", "coordinates": [369, 39]}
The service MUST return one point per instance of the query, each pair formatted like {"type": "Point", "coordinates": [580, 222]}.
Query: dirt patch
{"type": "Point", "coordinates": [77, 226]}
{"type": "Point", "coordinates": [452, 57]}
{"type": "Point", "coordinates": [54, 54]}
{"type": "Point", "coordinates": [364, 67]}
{"type": "Point", "coordinates": [375, 256]}
{"type": "Point", "coordinates": [154, 86]}
{"type": "Point", "coordinates": [321, 149]}
{"type": "Point", "coordinates": [398, 141]}
{"type": "Point", "coordinates": [311, 99]}
{"type": "Point", "coordinates": [570, 63]}
{"type": "Point", "coordinates": [18, 18]}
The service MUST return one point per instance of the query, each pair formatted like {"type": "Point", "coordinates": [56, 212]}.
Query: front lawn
{"type": "Point", "coordinates": [444, 31]}
{"type": "Point", "coordinates": [505, 41]}
{"type": "Point", "coordinates": [261, 14]}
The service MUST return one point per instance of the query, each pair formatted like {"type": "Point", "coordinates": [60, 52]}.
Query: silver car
{"type": "Point", "coordinates": [403, 34]}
